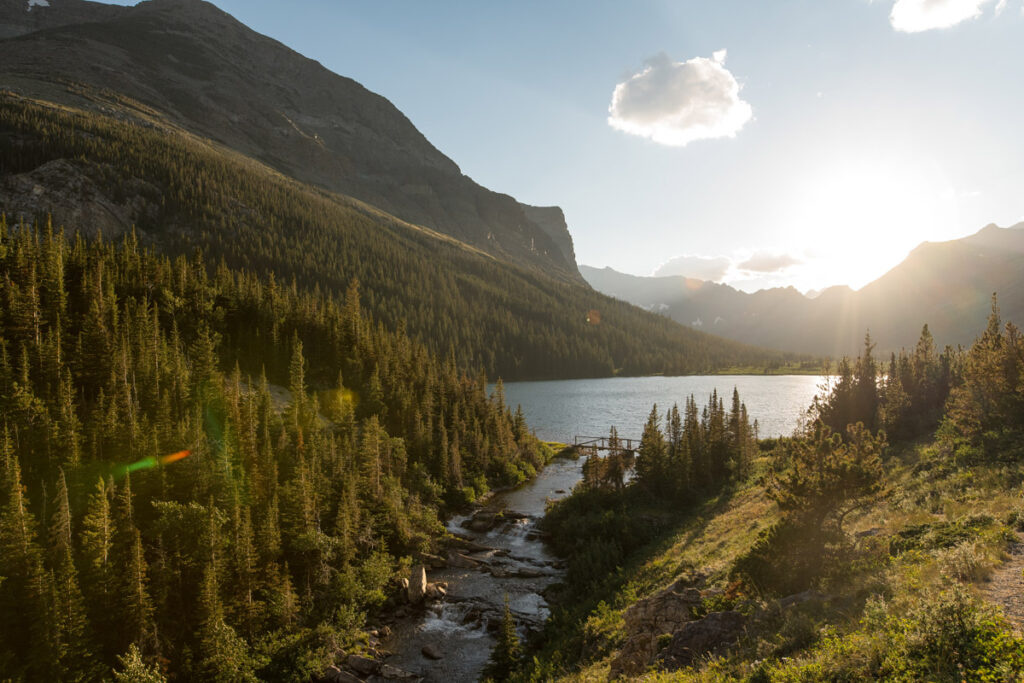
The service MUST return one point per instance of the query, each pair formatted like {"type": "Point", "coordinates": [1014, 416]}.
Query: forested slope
{"type": "Point", "coordinates": [186, 194]}
{"type": "Point", "coordinates": [153, 495]}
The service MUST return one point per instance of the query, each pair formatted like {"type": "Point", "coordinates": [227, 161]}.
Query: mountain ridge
{"type": "Point", "coordinates": [201, 69]}
{"type": "Point", "coordinates": [947, 285]}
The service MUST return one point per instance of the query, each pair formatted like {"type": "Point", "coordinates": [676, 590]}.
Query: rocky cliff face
{"type": "Point", "coordinates": [551, 220]}
{"type": "Point", "coordinates": [196, 66]}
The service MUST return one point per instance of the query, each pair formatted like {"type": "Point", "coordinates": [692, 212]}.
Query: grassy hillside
{"type": "Point", "coordinates": [827, 563]}
{"type": "Point", "coordinates": [186, 194]}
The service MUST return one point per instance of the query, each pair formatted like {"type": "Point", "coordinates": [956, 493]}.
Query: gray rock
{"type": "Point", "coordinates": [530, 573]}
{"type": "Point", "coordinates": [800, 598]}
{"type": "Point", "coordinates": [461, 561]}
{"type": "Point", "coordinates": [435, 592]}
{"type": "Point", "coordinates": [711, 635]}
{"type": "Point", "coordinates": [468, 545]}
{"type": "Point", "coordinates": [417, 584]}
{"type": "Point", "coordinates": [666, 611]}
{"type": "Point", "coordinates": [433, 561]}
{"type": "Point", "coordinates": [431, 652]}
{"type": "Point", "coordinates": [363, 665]}
{"type": "Point", "coordinates": [393, 673]}
{"type": "Point", "coordinates": [481, 521]}
{"type": "Point", "coordinates": [335, 675]}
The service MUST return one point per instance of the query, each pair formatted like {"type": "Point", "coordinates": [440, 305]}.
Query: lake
{"type": "Point", "coordinates": [559, 410]}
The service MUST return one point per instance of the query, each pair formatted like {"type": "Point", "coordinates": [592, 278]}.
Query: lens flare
{"type": "Point", "coordinates": [174, 457]}
{"type": "Point", "coordinates": [151, 462]}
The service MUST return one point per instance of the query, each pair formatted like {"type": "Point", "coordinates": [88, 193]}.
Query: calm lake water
{"type": "Point", "coordinates": [560, 410]}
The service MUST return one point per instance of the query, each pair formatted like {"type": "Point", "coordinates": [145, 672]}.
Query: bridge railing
{"type": "Point", "coordinates": [602, 443]}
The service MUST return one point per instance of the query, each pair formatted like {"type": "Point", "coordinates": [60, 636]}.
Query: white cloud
{"type": "Point", "coordinates": [675, 103]}
{"type": "Point", "coordinates": [1000, 6]}
{"type": "Point", "coordinates": [768, 262]}
{"type": "Point", "coordinates": [706, 268]}
{"type": "Point", "coordinates": [912, 16]}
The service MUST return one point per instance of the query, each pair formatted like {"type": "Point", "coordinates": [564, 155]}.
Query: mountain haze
{"type": "Point", "coordinates": [947, 285]}
{"type": "Point", "coordinates": [197, 67]}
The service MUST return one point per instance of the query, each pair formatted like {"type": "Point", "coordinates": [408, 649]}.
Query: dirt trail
{"type": "Point", "coordinates": [1006, 587]}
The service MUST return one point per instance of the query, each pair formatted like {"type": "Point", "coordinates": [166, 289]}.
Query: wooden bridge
{"type": "Point", "coordinates": [603, 443]}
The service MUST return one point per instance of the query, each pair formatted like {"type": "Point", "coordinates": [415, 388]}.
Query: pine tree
{"type": "Point", "coordinates": [98, 578]}
{"type": "Point", "coordinates": [75, 644]}
{"type": "Point", "coordinates": [506, 652]}
{"type": "Point", "coordinates": [223, 656]}
{"type": "Point", "coordinates": [651, 464]}
{"type": "Point", "coordinates": [134, 669]}
{"type": "Point", "coordinates": [27, 588]}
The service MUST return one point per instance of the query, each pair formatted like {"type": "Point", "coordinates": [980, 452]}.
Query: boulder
{"type": "Point", "coordinates": [431, 652]}
{"type": "Point", "coordinates": [433, 561]}
{"type": "Point", "coordinates": [393, 673]}
{"type": "Point", "coordinates": [461, 561]}
{"type": "Point", "coordinates": [467, 545]}
{"type": "Point", "coordinates": [481, 521]}
{"type": "Point", "coordinates": [335, 675]}
{"type": "Point", "coordinates": [666, 611]}
{"type": "Point", "coordinates": [530, 573]}
{"type": "Point", "coordinates": [435, 592]}
{"type": "Point", "coordinates": [363, 665]}
{"type": "Point", "coordinates": [801, 598]}
{"type": "Point", "coordinates": [711, 635]}
{"type": "Point", "coordinates": [417, 584]}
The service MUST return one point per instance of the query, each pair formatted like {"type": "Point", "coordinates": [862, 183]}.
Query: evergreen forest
{"type": "Point", "coordinates": [214, 475]}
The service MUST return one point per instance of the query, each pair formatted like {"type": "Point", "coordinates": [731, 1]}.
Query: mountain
{"type": "Point", "coordinates": [197, 67]}
{"type": "Point", "coordinates": [946, 285]}
{"type": "Point", "coordinates": [100, 161]}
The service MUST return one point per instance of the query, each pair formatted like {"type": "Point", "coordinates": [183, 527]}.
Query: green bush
{"type": "Point", "coordinates": [788, 557]}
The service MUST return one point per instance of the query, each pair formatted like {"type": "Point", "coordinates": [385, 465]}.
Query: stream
{"type": "Point", "coordinates": [522, 568]}
{"type": "Point", "coordinates": [519, 566]}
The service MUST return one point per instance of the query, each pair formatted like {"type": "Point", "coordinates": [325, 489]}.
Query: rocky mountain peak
{"type": "Point", "coordinates": [201, 69]}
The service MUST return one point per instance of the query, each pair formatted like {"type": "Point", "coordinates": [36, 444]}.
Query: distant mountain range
{"type": "Point", "coordinates": [947, 285]}
{"type": "Point", "coordinates": [203, 70]}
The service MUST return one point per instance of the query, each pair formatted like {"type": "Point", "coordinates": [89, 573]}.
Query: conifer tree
{"type": "Point", "coordinates": [651, 464]}
{"type": "Point", "coordinates": [134, 669]}
{"type": "Point", "coordinates": [507, 651]}
{"type": "Point", "coordinates": [75, 648]}
{"type": "Point", "coordinates": [27, 588]}
{"type": "Point", "coordinates": [98, 578]}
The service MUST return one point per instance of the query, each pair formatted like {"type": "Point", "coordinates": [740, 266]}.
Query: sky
{"type": "Point", "coordinates": [803, 143]}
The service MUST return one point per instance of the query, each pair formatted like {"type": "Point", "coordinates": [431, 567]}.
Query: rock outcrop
{"type": "Point", "coordinates": [65, 192]}
{"type": "Point", "coordinates": [711, 635]}
{"type": "Point", "coordinates": [665, 612]}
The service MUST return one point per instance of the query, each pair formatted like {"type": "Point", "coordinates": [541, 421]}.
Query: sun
{"type": "Point", "coordinates": [857, 219]}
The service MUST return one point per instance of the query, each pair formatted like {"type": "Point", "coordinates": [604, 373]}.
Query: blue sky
{"type": "Point", "coordinates": [855, 129]}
